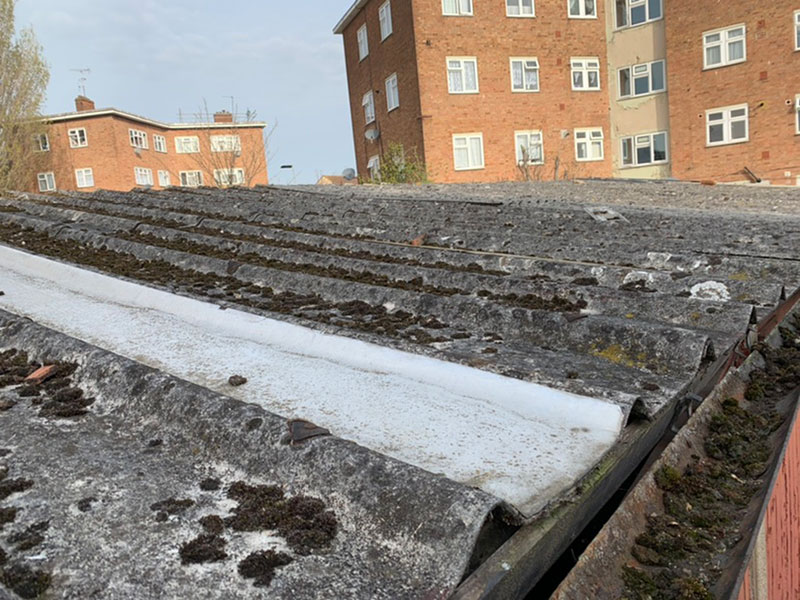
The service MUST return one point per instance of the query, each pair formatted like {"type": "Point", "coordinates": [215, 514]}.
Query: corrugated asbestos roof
{"type": "Point", "coordinates": [621, 305]}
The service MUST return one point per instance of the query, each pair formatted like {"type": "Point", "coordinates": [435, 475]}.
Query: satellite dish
{"type": "Point", "coordinates": [372, 134]}
{"type": "Point", "coordinates": [349, 174]}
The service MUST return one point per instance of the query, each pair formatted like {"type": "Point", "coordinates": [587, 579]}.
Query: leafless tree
{"type": "Point", "coordinates": [23, 81]}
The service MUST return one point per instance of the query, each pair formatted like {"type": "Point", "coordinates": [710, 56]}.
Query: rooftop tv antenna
{"type": "Point", "coordinates": [82, 79]}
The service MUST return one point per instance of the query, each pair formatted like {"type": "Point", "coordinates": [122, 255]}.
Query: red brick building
{"type": "Point", "coordinates": [110, 149]}
{"type": "Point", "coordinates": [488, 90]}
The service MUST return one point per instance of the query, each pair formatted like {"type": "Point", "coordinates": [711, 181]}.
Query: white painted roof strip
{"type": "Point", "coordinates": [522, 442]}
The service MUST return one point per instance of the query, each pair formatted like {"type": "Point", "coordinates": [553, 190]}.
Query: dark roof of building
{"type": "Point", "coordinates": [614, 307]}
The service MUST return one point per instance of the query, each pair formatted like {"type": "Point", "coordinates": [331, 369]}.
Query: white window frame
{"type": "Point", "coordinates": [529, 135]}
{"type": "Point", "coordinates": [226, 143]}
{"type": "Point", "coordinates": [38, 146]}
{"type": "Point", "coordinates": [229, 177]}
{"type": "Point", "coordinates": [84, 178]}
{"type": "Point", "coordinates": [164, 179]}
{"type": "Point", "coordinates": [363, 42]}
{"type": "Point", "coordinates": [187, 144]}
{"type": "Point", "coordinates": [138, 138]}
{"type": "Point", "coordinates": [526, 63]}
{"type": "Point", "coordinates": [585, 136]}
{"type": "Point", "coordinates": [143, 176]}
{"type": "Point", "coordinates": [368, 103]}
{"type": "Point", "coordinates": [727, 125]}
{"type": "Point", "coordinates": [462, 70]}
{"type": "Point", "coordinates": [191, 178]}
{"type": "Point", "coordinates": [582, 14]}
{"type": "Point", "coordinates": [796, 30]}
{"type": "Point", "coordinates": [49, 181]}
{"type": "Point", "coordinates": [385, 19]}
{"type": "Point", "coordinates": [460, 8]}
{"type": "Point", "coordinates": [580, 64]}
{"type": "Point", "coordinates": [724, 44]}
{"type": "Point", "coordinates": [630, 6]}
{"type": "Point", "coordinates": [78, 138]}
{"type": "Point", "coordinates": [645, 69]}
{"type": "Point", "coordinates": [374, 167]}
{"type": "Point", "coordinates": [644, 140]}
{"type": "Point", "coordinates": [473, 164]}
{"type": "Point", "coordinates": [392, 93]}
{"type": "Point", "coordinates": [519, 7]}
{"type": "Point", "coordinates": [160, 143]}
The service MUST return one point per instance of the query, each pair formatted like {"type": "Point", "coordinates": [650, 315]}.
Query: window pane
{"type": "Point", "coordinates": [535, 151]}
{"type": "Point", "coordinates": [449, 7]}
{"type": "Point", "coordinates": [657, 74]}
{"type": "Point", "coordinates": [736, 50]}
{"type": "Point", "coordinates": [476, 151]}
{"type": "Point", "coordinates": [470, 76]}
{"type": "Point", "coordinates": [466, 6]}
{"type": "Point", "coordinates": [522, 144]}
{"type": "Point", "coordinates": [625, 82]}
{"type": "Point", "coordinates": [527, 7]}
{"type": "Point", "coordinates": [454, 81]}
{"type": "Point", "coordinates": [713, 55]}
{"type": "Point", "coordinates": [622, 13]}
{"type": "Point", "coordinates": [574, 7]}
{"type": "Point", "coordinates": [627, 151]}
{"type": "Point", "coordinates": [715, 133]}
{"type": "Point", "coordinates": [655, 9]}
{"type": "Point", "coordinates": [738, 130]}
{"type": "Point", "coordinates": [594, 79]}
{"type": "Point", "coordinates": [643, 156]}
{"type": "Point", "coordinates": [532, 79]}
{"type": "Point", "coordinates": [577, 79]}
{"type": "Point", "coordinates": [715, 116]}
{"type": "Point", "coordinates": [638, 14]}
{"type": "Point", "coordinates": [597, 149]}
{"type": "Point", "coordinates": [660, 147]}
{"type": "Point", "coordinates": [462, 158]}
{"type": "Point", "coordinates": [512, 7]}
{"type": "Point", "coordinates": [581, 149]}
{"type": "Point", "coordinates": [516, 75]}
{"type": "Point", "coordinates": [588, 6]}
{"type": "Point", "coordinates": [641, 85]}
{"type": "Point", "coordinates": [739, 112]}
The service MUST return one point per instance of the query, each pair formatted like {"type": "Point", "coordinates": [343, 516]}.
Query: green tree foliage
{"type": "Point", "coordinates": [23, 81]}
{"type": "Point", "coordinates": [398, 167]}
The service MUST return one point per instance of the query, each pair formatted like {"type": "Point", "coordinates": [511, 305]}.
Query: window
{"type": "Point", "coordinates": [163, 179]}
{"type": "Point", "coordinates": [84, 178]}
{"type": "Point", "coordinates": [138, 138]}
{"type": "Point", "coordinates": [582, 9]}
{"type": "Point", "coordinates": [520, 8]}
{"type": "Point", "coordinates": [640, 80]}
{"type": "Point", "coordinates": [728, 125]}
{"type": "Point", "coordinates": [637, 12]}
{"type": "Point", "coordinates": [191, 178]}
{"type": "Point", "coordinates": [374, 167]}
{"type": "Point", "coordinates": [229, 176]}
{"type": "Point", "coordinates": [47, 182]}
{"type": "Point", "coordinates": [585, 73]}
{"type": "Point", "coordinates": [724, 47]}
{"type": "Point", "coordinates": [468, 151]}
{"type": "Point", "coordinates": [363, 44]}
{"type": "Point", "coordinates": [797, 113]}
{"type": "Point", "coordinates": [392, 93]}
{"type": "Point", "coordinates": [644, 149]}
{"type": "Point", "coordinates": [187, 145]}
{"type": "Point", "coordinates": [457, 7]}
{"type": "Point", "coordinates": [589, 144]}
{"type": "Point", "coordinates": [143, 176]}
{"type": "Point", "coordinates": [529, 147]}
{"type": "Point", "coordinates": [797, 30]}
{"type": "Point", "coordinates": [160, 143]}
{"type": "Point", "coordinates": [385, 19]}
{"type": "Point", "coordinates": [226, 143]}
{"type": "Point", "coordinates": [369, 107]}
{"type": "Point", "coordinates": [41, 143]}
{"type": "Point", "coordinates": [77, 138]}
{"type": "Point", "coordinates": [524, 75]}
{"type": "Point", "coordinates": [462, 75]}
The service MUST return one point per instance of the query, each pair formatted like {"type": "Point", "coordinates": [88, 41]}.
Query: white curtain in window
{"type": "Point", "coordinates": [470, 76]}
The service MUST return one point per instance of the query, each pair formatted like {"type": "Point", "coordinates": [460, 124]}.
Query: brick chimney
{"type": "Point", "coordinates": [223, 116]}
{"type": "Point", "coordinates": [82, 103]}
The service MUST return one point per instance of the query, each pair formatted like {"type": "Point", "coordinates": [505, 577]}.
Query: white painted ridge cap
{"type": "Point", "coordinates": [528, 400]}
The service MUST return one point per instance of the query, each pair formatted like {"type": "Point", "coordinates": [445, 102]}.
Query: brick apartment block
{"type": "Point", "coordinates": [110, 149]}
{"type": "Point", "coordinates": [591, 88]}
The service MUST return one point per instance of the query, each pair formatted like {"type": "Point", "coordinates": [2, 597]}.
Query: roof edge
{"type": "Point", "coordinates": [349, 15]}
{"type": "Point", "coordinates": [114, 112]}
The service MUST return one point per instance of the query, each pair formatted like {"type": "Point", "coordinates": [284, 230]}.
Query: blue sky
{"type": "Point", "coordinates": [156, 57]}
